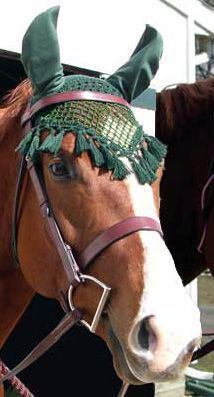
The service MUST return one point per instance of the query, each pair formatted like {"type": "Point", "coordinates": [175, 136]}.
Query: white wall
{"type": "Point", "coordinates": [101, 35]}
{"type": "Point", "coordinates": [173, 27]}
{"type": "Point", "coordinates": [95, 34]}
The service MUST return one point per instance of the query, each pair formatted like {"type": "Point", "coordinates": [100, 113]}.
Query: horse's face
{"type": "Point", "coordinates": [149, 323]}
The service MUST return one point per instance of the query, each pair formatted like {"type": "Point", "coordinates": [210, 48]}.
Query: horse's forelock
{"type": "Point", "coordinates": [14, 104]}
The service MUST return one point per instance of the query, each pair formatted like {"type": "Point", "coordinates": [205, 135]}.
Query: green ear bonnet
{"type": "Point", "coordinates": [108, 131]}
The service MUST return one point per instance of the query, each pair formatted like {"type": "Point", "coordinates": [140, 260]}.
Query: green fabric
{"type": "Point", "coordinates": [41, 59]}
{"type": "Point", "coordinates": [108, 132]}
{"type": "Point", "coordinates": [134, 77]}
{"type": "Point", "coordinates": [84, 83]}
{"type": "Point", "coordinates": [41, 56]}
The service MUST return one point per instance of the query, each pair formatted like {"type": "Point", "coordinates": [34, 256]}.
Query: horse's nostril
{"type": "Point", "coordinates": [148, 333]}
{"type": "Point", "coordinates": [143, 335]}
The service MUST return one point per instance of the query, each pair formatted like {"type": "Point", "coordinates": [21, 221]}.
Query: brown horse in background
{"type": "Point", "coordinates": [185, 122]}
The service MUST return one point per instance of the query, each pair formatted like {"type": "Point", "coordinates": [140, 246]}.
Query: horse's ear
{"type": "Point", "coordinates": [134, 77]}
{"type": "Point", "coordinates": [40, 53]}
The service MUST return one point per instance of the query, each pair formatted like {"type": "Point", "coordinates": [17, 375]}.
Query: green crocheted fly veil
{"type": "Point", "coordinates": [108, 131]}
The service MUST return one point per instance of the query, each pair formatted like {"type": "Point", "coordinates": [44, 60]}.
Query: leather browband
{"type": "Point", "coordinates": [70, 96]}
{"type": "Point", "coordinates": [115, 233]}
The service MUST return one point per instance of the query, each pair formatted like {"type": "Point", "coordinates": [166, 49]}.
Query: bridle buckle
{"type": "Point", "coordinates": [106, 290]}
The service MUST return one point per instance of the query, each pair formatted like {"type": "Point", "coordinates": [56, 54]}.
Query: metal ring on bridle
{"type": "Point", "coordinates": [106, 290]}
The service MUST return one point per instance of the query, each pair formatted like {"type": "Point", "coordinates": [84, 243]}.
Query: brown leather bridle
{"type": "Point", "coordinates": [73, 268]}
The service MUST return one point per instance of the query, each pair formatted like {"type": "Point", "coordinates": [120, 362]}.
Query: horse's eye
{"type": "Point", "coordinates": [59, 170]}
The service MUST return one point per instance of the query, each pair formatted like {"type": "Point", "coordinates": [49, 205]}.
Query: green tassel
{"type": "Point", "coordinates": [96, 154]}
{"type": "Point", "coordinates": [148, 170]}
{"type": "Point", "coordinates": [109, 158]}
{"type": "Point", "coordinates": [141, 172]}
{"type": "Point", "coordinates": [52, 143]}
{"type": "Point", "coordinates": [33, 150]}
{"type": "Point", "coordinates": [58, 141]}
{"type": "Point", "coordinates": [91, 132]}
{"type": "Point", "coordinates": [121, 171]}
{"type": "Point", "coordinates": [24, 145]}
{"type": "Point", "coordinates": [155, 147]}
{"type": "Point", "coordinates": [48, 142]}
{"type": "Point", "coordinates": [82, 143]}
{"type": "Point", "coordinates": [151, 160]}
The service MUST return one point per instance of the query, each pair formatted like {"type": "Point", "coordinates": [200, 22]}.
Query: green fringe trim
{"type": "Point", "coordinates": [141, 172]}
{"type": "Point", "coordinates": [95, 154]}
{"type": "Point", "coordinates": [144, 161]}
{"type": "Point", "coordinates": [155, 147]}
{"type": "Point", "coordinates": [52, 143]}
{"type": "Point", "coordinates": [109, 158]}
{"type": "Point", "coordinates": [121, 171]}
{"type": "Point", "coordinates": [151, 174]}
{"type": "Point", "coordinates": [82, 143]}
{"type": "Point", "coordinates": [34, 147]}
{"type": "Point", "coordinates": [150, 160]}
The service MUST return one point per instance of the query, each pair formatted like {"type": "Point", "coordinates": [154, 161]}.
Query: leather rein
{"type": "Point", "coordinates": [73, 268]}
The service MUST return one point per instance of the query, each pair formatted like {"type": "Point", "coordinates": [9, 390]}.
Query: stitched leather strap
{"type": "Point", "coordinates": [68, 321]}
{"type": "Point", "coordinates": [102, 241]}
{"type": "Point", "coordinates": [115, 233]}
{"type": "Point", "coordinates": [15, 219]}
{"type": "Point", "coordinates": [71, 268]}
{"type": "Point", "coordinates": [70, 96]}
{"type": "Point", "coordinates": [15, 382]}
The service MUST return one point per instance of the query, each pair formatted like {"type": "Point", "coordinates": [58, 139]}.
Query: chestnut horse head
{"type": "Point", "coordinates": [98, 169]}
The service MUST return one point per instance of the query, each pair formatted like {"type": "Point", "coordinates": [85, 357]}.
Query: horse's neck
{"type": "Point", "coordinates": [8, 174]}
{"type": "Point", "coordinates": [15, 294]}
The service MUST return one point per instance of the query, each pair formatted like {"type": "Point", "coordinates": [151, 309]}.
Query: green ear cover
{"type": "Point", "coordinates": [40, 54]}
{"type": "Point", "coordinates": [134, 77]}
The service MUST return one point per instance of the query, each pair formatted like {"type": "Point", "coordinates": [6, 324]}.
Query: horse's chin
{"type": "Point", "coordinates": [119, 359]}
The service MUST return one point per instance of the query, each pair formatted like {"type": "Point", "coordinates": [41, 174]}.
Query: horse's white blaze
{"type": "Point", "coordinates": [176, 317]}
